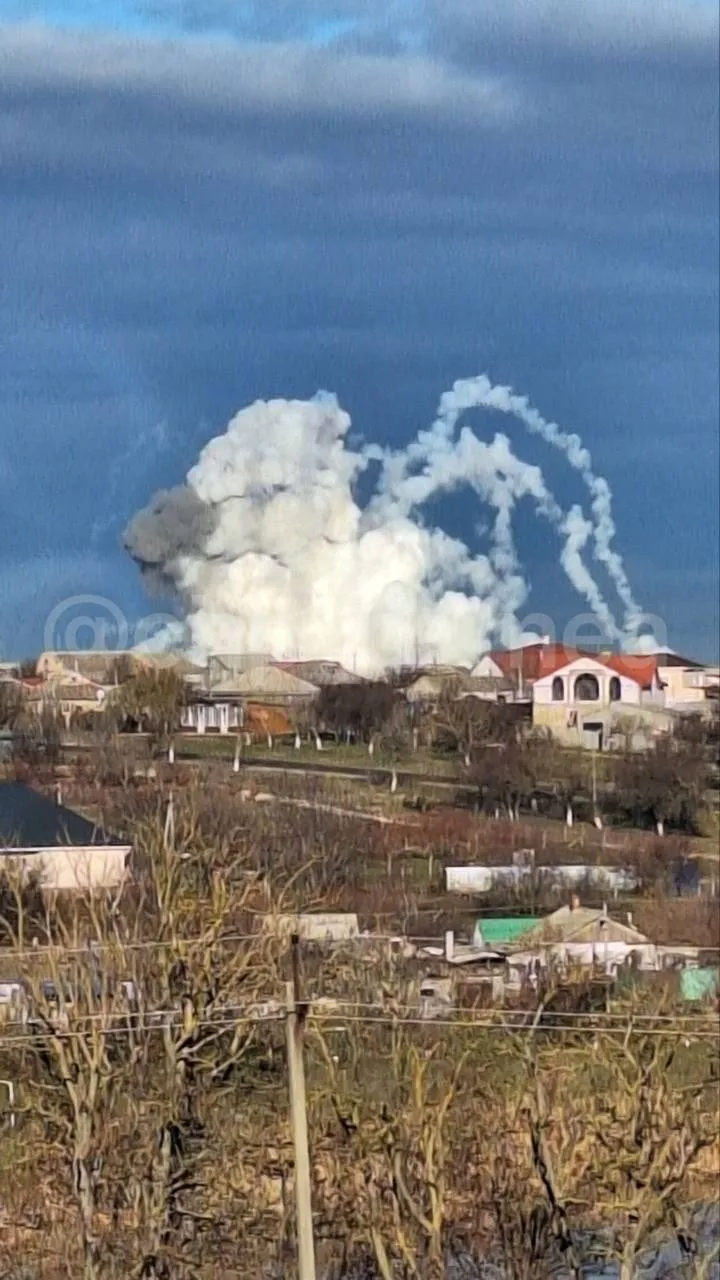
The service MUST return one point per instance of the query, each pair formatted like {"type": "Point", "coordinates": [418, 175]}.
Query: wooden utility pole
{"type": "Point", "coordinates": [296, 1011]}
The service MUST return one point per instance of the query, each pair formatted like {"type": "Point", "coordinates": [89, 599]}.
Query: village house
{"type": "Point", "coordinates": [320, 672]}
{"type": "Point", "coordinates": [602, 699]}
{"type": "Point", "coordinates": [65, 850]}
{"type": "Point", "coordinates": [521, 667]}
{"type": "Point", "coordinates": [592, 700]}
{"type": "Point", "coordinates": [101, 666]}
{"type": "Point", "coordinates": [70, 694]}
{"type": "Point", "coordinates": [223, 714]}
{"type": "Point", "coordinates": [110, 666]}
{"type": "Point", "coordinates": [688, 686]}
{"type": "Point", "coordinates": [223, 668]}
{"type": "Point", "coordinates": [77, 683]}
{"type": "Point", "coordinates": [67, 694]}
{"type": "Point", "coordinates": [428, 684]}
{"type": "Point", "coordinates": [577, 935]}
{"type": "Point", "coordinates": [238, 701]}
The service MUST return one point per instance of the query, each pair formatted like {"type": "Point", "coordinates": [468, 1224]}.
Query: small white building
{"type": "Point", "coordinates": [320, 926]}
{"type": "Point", "coordinates": [482, 879]}
{"type": "Point", "coordinates": [66, 851]}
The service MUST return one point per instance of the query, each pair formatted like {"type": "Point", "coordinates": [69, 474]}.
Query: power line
{"type": "Point", "coordinates": [158, 944]}
{"type": "Point", "coordinates": [509, 1020]}
{"type": "Point", "coordinates": [634, 1019]}
{"type": "Point", "coordinates": [152, 1021]}
{"type": "Point", "coordinates": [429, 1023]}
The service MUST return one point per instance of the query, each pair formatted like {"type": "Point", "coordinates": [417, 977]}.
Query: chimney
{"type": "Point", "coordinates": [574, 902]}
{"type": "Point", "coordinates": [449, 944]}
{"type": "Point", "coordinates": [629, 918]}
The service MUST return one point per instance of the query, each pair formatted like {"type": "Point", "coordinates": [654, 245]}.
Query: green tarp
{"type": "Point", "coordinates": [503, 929]}
{"type": "Point", "coordinates": [699, 984]}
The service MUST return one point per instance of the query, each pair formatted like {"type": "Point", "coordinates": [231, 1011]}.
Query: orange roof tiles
{"type": "Point", "coordinates": [537, 660]}
{"type": "Point", "coordinates": [534, 660]}
{"type": "Point", "coordinates": [633, 666]}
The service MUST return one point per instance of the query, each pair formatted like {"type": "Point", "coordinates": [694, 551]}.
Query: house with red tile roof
{"type": "Point", "coordinates": [524, 665]}
{"type": "Point", "coordinates": [599, 700]}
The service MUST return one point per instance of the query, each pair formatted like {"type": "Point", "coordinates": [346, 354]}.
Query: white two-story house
{"type": "Point", "coordinates": [594, 700]}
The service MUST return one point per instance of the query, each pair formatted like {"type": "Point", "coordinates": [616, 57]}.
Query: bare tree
{"type": "Point", "coordinates": [461, 724]}
{"type": "Point", "coordinates": [651, 1120]}
{"type": "Point", "coordinates": [153, 699]}
{"type": "Point", "coordinates": [209, 987]}
{"type": "Point", "coordinates": [38, 734]}
{"type": "Point", "coordinates": [12, 707]}
{"type": "Point", "coordinates": [618, 1130]}
{"type": "Point", "coordinates": [358, 709]}
{"type": "Point", "coordinates": [664, 785]}
{"type": "Point", "coordinates": [77, 1059]}
{"type": "Point", "coordinates": [506, 774]}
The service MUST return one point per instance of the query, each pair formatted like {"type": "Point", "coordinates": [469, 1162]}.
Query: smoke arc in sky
{"type": "Point", "coordinates": [268, 549]}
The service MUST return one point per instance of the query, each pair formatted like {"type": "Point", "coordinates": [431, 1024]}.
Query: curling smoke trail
{"type": "Point", "coordinates": [479, 392]}
{"type": "Point", "coordinates": [270, 552]}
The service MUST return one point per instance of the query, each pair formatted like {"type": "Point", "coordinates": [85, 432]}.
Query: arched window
{"type": "Point", "coordinates": [558, 689]}
{"type": "Point", "coordinates": [587, 688]}
{"type": "Point", "coordinates": [615, 689]}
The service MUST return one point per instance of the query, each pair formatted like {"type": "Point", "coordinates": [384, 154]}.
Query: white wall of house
{"type": "Point", "coordinates": [543, 689]}
{"type": "Point", "coordinates": [481, 879]}
{"type": "Point", "coordinates": [219, 717]}
{"type": "Point", "coordinates": [591, 722]}
{"type": "Point", "coordinates": [687, 687]}
{"type": "Point", "coordinates": [610, 955]}
{"type": "Point", "coordinates": [76, 868]}
{"type": "Point", "coordinates": [326, 926]}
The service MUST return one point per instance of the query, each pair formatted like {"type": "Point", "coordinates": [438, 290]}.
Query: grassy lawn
{"type": "Point", "coordinates": [354, 756]}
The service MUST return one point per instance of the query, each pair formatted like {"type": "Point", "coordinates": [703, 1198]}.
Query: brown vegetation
{"type": "Point", "coordinates": [152, 1135]}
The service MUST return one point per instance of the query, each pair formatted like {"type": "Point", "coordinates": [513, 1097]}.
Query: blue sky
{"type": "Point", "coordinates": [203, 202]}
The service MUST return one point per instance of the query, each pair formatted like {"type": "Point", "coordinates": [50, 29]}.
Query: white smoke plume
{"type": "Point", "coordinates": [270, 552]}
{"type": "Point", "coordinates": [479, 392]}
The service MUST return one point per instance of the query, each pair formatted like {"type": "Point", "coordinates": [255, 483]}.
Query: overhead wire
{"type": "Point", "coordinates": [119, 1023]}
{"type": "Point", "coordinates": [283, 935]}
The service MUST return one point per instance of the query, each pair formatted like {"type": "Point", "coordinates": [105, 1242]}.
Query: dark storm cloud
{"type": "Point", "coordinates": [188, 224]}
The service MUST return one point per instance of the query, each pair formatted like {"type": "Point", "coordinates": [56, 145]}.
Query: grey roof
{"type": "Point", "coordinates": [29, 820]}
{"type": "Point", "coordinates": [236, 663]}
{"type": "Point", "coordinates": [319, 671]}
{"type": "Point", "coordinates": [265, 681]}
